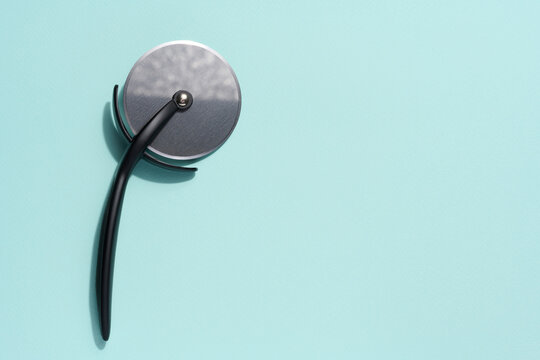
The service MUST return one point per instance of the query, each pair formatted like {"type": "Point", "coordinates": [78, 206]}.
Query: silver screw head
{"type": "Point", "coordinates": [183, 99]}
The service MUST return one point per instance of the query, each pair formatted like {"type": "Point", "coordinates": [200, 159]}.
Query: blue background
{"type": "Point", "coordinates": [378, 199]}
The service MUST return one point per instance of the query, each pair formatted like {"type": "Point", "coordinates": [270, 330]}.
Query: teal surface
{"type": "Point", "coordinates": [379, 198]}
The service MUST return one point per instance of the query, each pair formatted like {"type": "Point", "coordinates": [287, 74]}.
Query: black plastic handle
{"type": "Point", "coordinates": [111, 215]}
{"type": "Point", "coordinates": [122, 127]}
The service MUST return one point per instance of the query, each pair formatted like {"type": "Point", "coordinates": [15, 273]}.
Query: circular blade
{"type": "Point", "coordinates": [190, 66]}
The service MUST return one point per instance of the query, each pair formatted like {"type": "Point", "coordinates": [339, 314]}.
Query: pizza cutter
{"type": "Point", "coordinates": [181, 101]}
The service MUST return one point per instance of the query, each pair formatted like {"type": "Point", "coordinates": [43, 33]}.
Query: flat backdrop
{"type": "Point", "coordinates": [379, 198]}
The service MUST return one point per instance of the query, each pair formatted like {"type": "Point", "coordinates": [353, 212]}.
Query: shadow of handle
{"type": "Point", "coordinates": [111, 215]}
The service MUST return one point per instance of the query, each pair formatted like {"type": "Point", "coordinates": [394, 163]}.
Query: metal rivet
{"type": "Point", "coordinates": [183, 99]}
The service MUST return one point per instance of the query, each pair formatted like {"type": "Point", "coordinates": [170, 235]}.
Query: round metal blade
{"type": "Point", "coordinates": [183, 65]}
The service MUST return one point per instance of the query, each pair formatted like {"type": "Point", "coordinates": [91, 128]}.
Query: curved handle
{"type": "Point", "coordinates": [122, 127]}
{"type": "Point", "coordinates": [111, 214]}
